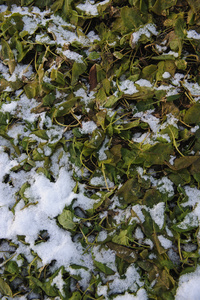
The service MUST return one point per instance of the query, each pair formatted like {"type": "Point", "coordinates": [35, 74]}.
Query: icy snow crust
{"type": "Point", "coordinates": [31, 201]}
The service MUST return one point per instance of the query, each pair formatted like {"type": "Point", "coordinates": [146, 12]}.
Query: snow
{"type": "Point", "coordinates": [9, 107]}
{"type": "Point", "coordinates": [72, 55]}
{"type": "Point", "coordinates": [166, 75]}
{"type": "Point", "coordinates": [189, 288]}
{"type": "Point", "coordinates": [144, 82]}
{"type": "Point", "coordinates": [177, 78]}
{"type": "Point", "coordinates": [164, 185]}
{"type": "Point", "coordinates": [3, 8]}
{"type": "Point", "coordinates": [130, 282]}
{"type": "Point", "coordinates": [175, 54]}
{"type": "Point", "coordinates": [139, 214]}
{"type": "Point", "coordinates": [138, 233]}
{"type": "Point", "coordinates": [147, 30]}
{"type": "Point", "coordinates": [30, 25]}
{"type": "Point", "coordinates": [147, 117]}
{"type": "Point", "coordinates": [93, 36]}
{"type": "Point", "coordinates": [101, 152]}
{"type": "Point", "coordinates": [190, 220]}
{"type": "Point", "coordinates": [102, 236]}
{"type": "Point", "coordinates": [106, 256]}
{"type": "Point", "coordinates": [192, 34]}
{"type": "Point", "coordinates": [128, 87]}
{"type": "Point", "coordinates": [155, 126]}
{"type": "Point", "coordinates": [165, 243]}
{"type": "Point", "coordinates": [100, 181]}
{"type": "Point", "coordinates": [194, 129]}
{"type": "Point", "coordinates": [59, 282]}
{"type": "Point", "coordinates": [161, 48]}
{"type": "Point", "coordinates": [88, 127]}
{"type": "Point", "coordinates": [157, 214]}
{"type": "Point", "coordinates": [141, 295]}
{"type": "Point", "coordinates": [20, 70]}
{"type": "Point", "coordinates": [89, 7]}
{"type": "Point", "coordinates": [194, 88]}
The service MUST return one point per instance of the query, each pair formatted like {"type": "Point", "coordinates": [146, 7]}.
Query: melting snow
{"type": "Point", "coordinates": [147, 30]}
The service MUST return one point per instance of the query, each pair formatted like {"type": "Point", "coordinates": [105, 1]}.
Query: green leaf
{"type": "Point", "coordinates": [179, 27]}
{"type": "Point", "coordinates": [184, 162]}
{"type": "Point", "coordinates": [195, 5]}
{"type": "Point", "coordinates": [66, 220]}
{"type": "Point", "coordinates": [149, 72]}
{"type": "Point", "coordinates": [45, 286]}
{"type": "Point", "coordinates": [8, 56]}
{"type": "Point", "coordinates": [131, 18]}
{"type": "Point", "coordinates": [106, 85]}
{"type": "Point", "coordinates": [181, 64]}
{"type": "Point", "coordinates": [12, 24]}
{"type": "Point", "coordinates": [127, 126]}
{"type": "Point", "coordinates": [64, 108]}
{"type": "Point", "coordinates": [38, 154]}
{"type": "Point", "coordinates": [77, 70]}
{"type": "Point", "coordinates": [94, 143]}
{"type": "Point", "coordinates": [111, 101]}
{"type": "Point", "coordinates": [189, 223]}
{"type": "Point", "coordinates": [160, 6]}
{"type": "Point", "coordinates": [22, 190]}
{"type": "Point", "coordinates": [121, 238]}
{"type": "Point", "coordinates": [76, 296]}
{"type": "Point", "coordinates": [129, 192]}
{"type": "Point", "coordinates": [192, 115]}
{"type": "Point", "coordinates": [22, 51]}
{"type": "Point", "coordinates": [32, 89]}
{"type": "Point", "coordinates": [118, 55]}
{"type": "Point", "coordinates": [57, 77]}
{"type": "Point", "coordinates": [4, 288]}
{"type": "Point", "coordinates": [57, 5]}
{"type": "Point", "coordinates": [180, 178]}
{"type": "Point", "coordinates": [67, 7]}
{"type": "Point", "coordinates": [41, 133]}
{"type": "Point", "coordinates": [94, 55]}
{"type": "Point", "coordinates": [157, 154]}
{"type": "Point", "coordinates": [103, 268]}
{"type": "Point", "coordinates": [12, 267]}
{"type": "Point", "coordinates": [4, 118]}
{"type": "Point", "coordinates": [152, 197]}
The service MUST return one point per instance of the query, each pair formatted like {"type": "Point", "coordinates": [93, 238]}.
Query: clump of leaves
{"type": "Point", "coordinates": [131, 70]}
